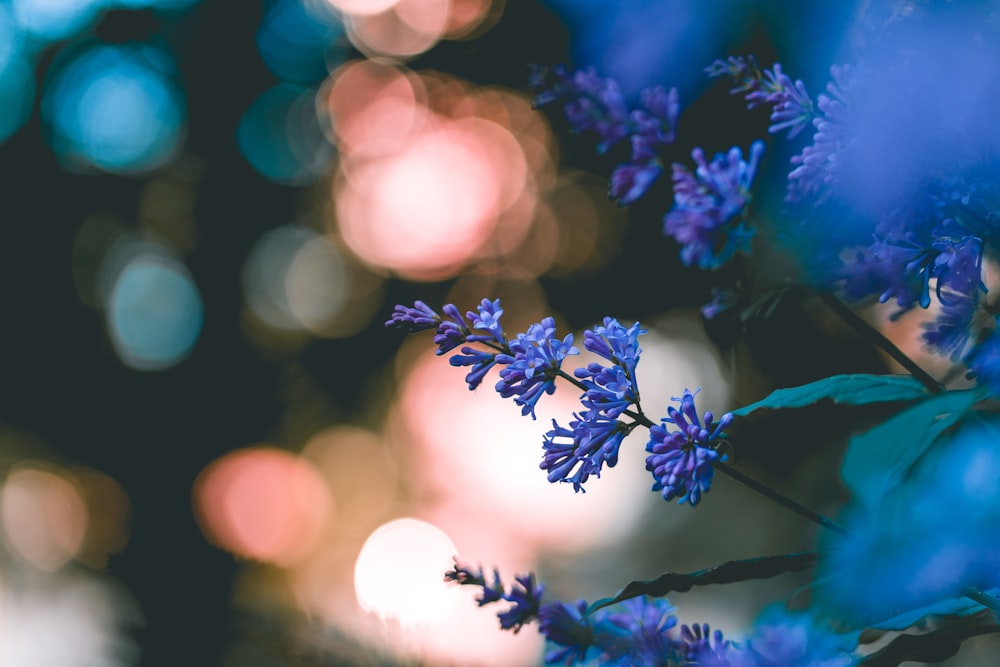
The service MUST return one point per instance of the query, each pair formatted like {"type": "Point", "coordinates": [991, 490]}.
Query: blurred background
{"type": "Point", "coordinates": [212, 452]}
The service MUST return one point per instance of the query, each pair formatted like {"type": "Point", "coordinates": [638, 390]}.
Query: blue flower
{"type": "Point", "coordinates": [609, 390]}
{"type": "Point", "coordinates": [526, 594]}
{"type": "Point", "coordinates": [418, 317]}
{"type": "Point", "coordinates": [681, 461]}
{"type": "Point", "coordinates": [480, 361]}
{"type": "Point", "coordinates": [574, 454]}
{"type": "Point", "coordinates": [631, 180]}
{"type": "Point", "coordinates": [820, 164]}
{"type": "Point", "coordinates": [592, 103]}
{"type": "Point", "coordinates": [792, 108]}
{"type": "Point", "coordinates": [533, 364]}
{"type": "Point", "coordinates": [452, 332]}
{"type": "Point", "coordinates": [784, 639]}
{"type": "Point", "coordinates": [620, 346]}
{"type": "Point", "coordinates": [648, 622]}
{"type": "Point", "coordinates": [708, 205]}
{"type": "Point", "coordinates": [700, 646]}
{"type": "Point", "coordinates": [567, 627]}
{"type": "Point", "coordinates": [488, 319]}
{"type": "Point", "coordinates": [466, 576]}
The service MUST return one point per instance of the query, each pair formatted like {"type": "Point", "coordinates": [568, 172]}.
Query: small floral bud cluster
{"type": "Point", "coordinates": [530, 363]}
{"type": "Point", "coordinates": [643, 631]}
{"type": "Point", "coordinates": [681, 461]}
{"type": "Point", "coordinates": [595, 104]}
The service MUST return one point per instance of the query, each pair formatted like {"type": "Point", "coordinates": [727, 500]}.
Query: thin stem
{"type": "Point", "coordinates": [871, 333]}
{"type": "Point", "coordinates": [779, 498]}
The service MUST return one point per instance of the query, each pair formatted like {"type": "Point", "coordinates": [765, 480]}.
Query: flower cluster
{"type": "Point", "coordinates": [643, 631]}
{"type": "Point", "coordinates": [595, 104]}
{"type": "Point", "coordinates": [529, 365]}
{"type": "Point", "coordinates": [681, 461]}
{"type": "Point", "coordinates": [708, 206]}
{"type": "Point", "coordinates": [525, 594]}
{"type": "Point", "coordinates": [792, 108]}
{"type": "Point", "coordinates": [533, 361]}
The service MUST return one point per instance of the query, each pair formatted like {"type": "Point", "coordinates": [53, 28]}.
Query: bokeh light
{"type": "Point", "coordinates": [17, 92]}
{"type": "Point", "coordinates": [296, 41]}
{"type": "Point", "coordinates": [153, 309]}
{"type": "Point", "coordinates": [114, 107]}
{"type": "Point", "coordinates": [262, 503]}
{"type": "Point", "coordinates": [407, 29]}
{"type": "Point", "coordinates": [281, 137]}
{"type": "Point", "coordinates": [66, 619]}
{"type": "Point", "coordinates": [399, 572]}
{"type": "Point", "coordinates": [44, 517]}
{"type": "Point", "coordinates": [55, 19]}
{"type": "Point", "coordinates": [361, 7]}
{"type": "Point", "coordinates": [296, 280]}
{"type": "Point", "coordinates": [373, 108]}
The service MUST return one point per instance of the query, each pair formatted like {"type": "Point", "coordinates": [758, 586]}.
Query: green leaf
{"type": "Point", "coordinates": [735, 570]}
{"type": "Point", "coordinates": [879, 459]}
{"type": "Point", "coordinates": [844, 389]}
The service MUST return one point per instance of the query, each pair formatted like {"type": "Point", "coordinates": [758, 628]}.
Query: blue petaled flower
{"type": "Point", "coordinates": [631, 180]}
{"type": "Point", "coordinates": [533, 365]}
{"type": "Point", "coordinates": [708, 205]}
{"type": "Point", "coordinates": [466, 576]}
{"type": "Point", "coordinates": [526, 594]}
{"type": "Point", "coordinates": [567, 627]}
{"type": "Point", "coordinates": [574, 454]}
{"type": "Point", "coordinates": [681, 461]}
{"type": "Point", "coordinates": [595, 104]}
{"type": "Point", "coordinates": [700, 646]}
{"type": "Point", "coordinates": [648, 622]}
{"type": "Point", "coordinates": [609, 390]}
{"type": "Point", "coordinates": [488, 319]}
{"type": "Point", "coordinates": [480, 361]}
{"type": "Point", "coordinates": [418, 317]}
{"type": "Point", "coordinates": [452, 332]}
{"type": "Point", "coordinates": [792, 108]}
{"type": "Point", "coordinates": [819, 164]}
{"type": "Point", "coordinates": [614, 342]}
{"type": "Point", "coordinates": [783, 639]}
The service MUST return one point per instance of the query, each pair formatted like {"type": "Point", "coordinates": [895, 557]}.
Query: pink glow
{"type": "Point", "coordinates": [44, 517]}
{"type": "Point", "coordinates": [425, 210]}
{"type": "Point", "coordinates": [262, 503]}
{"type": "Point", "coordinates": [374, 108]}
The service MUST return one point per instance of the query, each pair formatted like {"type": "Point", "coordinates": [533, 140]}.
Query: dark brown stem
{"type": "Point", "coordinates": [857, 323]}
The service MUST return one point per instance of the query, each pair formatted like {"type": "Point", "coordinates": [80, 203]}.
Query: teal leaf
{"type": "Point", "coordinates": [764, 567]}
{"type": "Point", "coordinates": [879, 459]}
{"type": "Point", "coordinates": [844, 389]}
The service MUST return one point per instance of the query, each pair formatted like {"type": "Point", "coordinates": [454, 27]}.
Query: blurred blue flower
{"type": "Point", "coordinates": [526, 594]}
{"type": "Point", "coordinates": [708, 206]}
{"type": "Point", "coordinates": [595, 104]}
{"type": "Point", "coordinates": [792, 108]}
{"type": "Point", "coordinates": [788, 639]}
